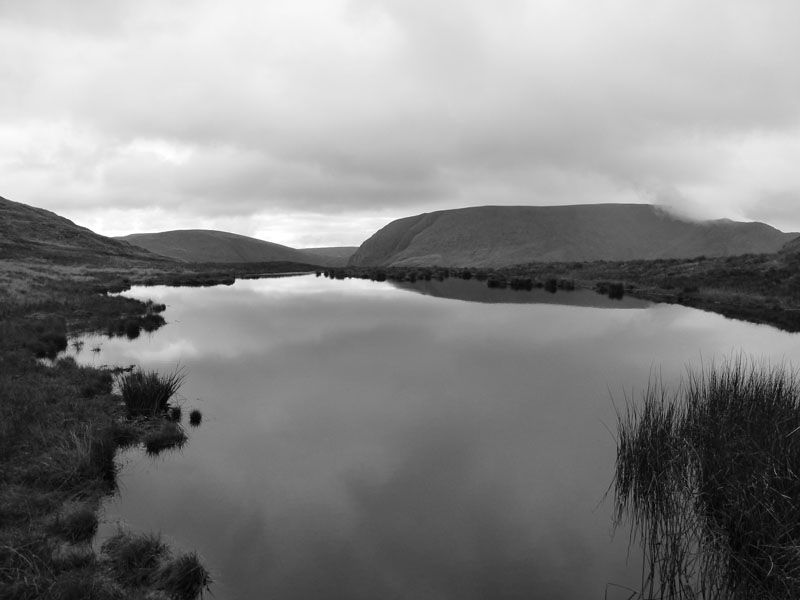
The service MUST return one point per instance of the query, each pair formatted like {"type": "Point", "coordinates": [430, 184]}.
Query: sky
{"type": "Point", "coordinates": [316, 122]}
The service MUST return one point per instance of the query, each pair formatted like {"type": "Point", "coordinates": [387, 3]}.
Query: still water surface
{"type": "Point", "coordinates": [363, 441]}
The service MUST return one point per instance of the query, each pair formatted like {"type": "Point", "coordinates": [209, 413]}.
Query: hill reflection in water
{"type": "Point", "coordinates": [477, 291]}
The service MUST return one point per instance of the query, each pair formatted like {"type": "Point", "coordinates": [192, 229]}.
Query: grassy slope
{"type": "Point", "coordinates": [495, 236]}
{"type": "Point", "coordinates": [206, 246]}
{"type": "Point", "coordinates": [33, 233]}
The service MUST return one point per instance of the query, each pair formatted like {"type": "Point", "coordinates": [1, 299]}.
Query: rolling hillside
{"type": "Point", "coordinates": [28, 232]}
{"type": "Point", "coordinates": [496, 236]}
{"type": "Point", "coordinates": [209, 246]}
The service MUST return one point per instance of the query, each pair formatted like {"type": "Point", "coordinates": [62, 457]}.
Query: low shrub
{"type": "Point", "coordinates": [195, 418]}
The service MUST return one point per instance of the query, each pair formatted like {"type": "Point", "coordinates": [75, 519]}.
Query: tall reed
{"type": "Point", "coordinates": [709, 478]}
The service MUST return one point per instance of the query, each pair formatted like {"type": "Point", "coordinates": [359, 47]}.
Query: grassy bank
{"type": "Point", "coordinates": [60, 428]}
{"type": "Point", "coordinates": [757, 288]}
{"type": "Point", "coordinates": [708, 477]}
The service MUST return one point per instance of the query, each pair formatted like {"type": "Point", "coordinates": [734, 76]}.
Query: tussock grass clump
{"type": "Point", "coordinates": [152, 321]}
{"type": "Point", "coordinates": [169, 435]}
{"type": "Point", "coordinates": [174, 413]}
{"type": "Point", "coordinates": [83, 585]}
{"type": "Point", "coordinates": [76, 523]}
{"type": "Point", "coordinates": [143, 561]}
{"type": "Point", "coordinates": [132, 329]}
{"type": "Point", "coordinates": [134, 558]}
{"type": "Point", "coordinates": [125, 433]}
{"type": "Point", "coordinates": [147, 393]}
{"type": "Point", "coordinates": [708, 476]}
{"type": "Point", "coordinates": [154, 307]}
{"type": "Point", "coordinates": [184, 578]}
{"type": "Point", "coordinates": [51, 338]}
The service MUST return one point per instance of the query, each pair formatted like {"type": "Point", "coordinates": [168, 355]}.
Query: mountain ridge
{"type": "Point", "coordinates": [494, 236]}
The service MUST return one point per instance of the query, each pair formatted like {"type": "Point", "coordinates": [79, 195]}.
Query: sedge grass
{"type": "Point", "coordinates": [708, 478]}
{"type": "Point", "coordinates": [143, 561]}
{"type": "Point", "coordinates": [147, 393]}
{"type": "Point", "coordinates": [184, 578]}
{"type": "Point", "coordinates": [169, 435]}
{"type": "Point", "coordinates": [76, 522]}
{"type": "Point", "coordinates": [134, 558]}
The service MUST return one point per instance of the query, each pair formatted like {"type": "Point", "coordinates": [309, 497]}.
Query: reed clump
{"type": "Point", "coordinates": [142, 562]}
{"type": "Point", "coordinates": [147, 393]}
{"type": "Point", "coordinates": [708, 476]}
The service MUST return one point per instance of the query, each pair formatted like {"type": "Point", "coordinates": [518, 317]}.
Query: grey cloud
{"type": "Point", "coordinates": [777, 208]}
{"type": "Point", "coordinates": [400, 105]}
{"type": "Point", "coordinates": [87, 17]}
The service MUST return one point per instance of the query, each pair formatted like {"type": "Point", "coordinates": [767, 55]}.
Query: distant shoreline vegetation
{"type": "Point", "coordinates": [759, 288]}
{"type": "Point", "coordinates": [494, 279]}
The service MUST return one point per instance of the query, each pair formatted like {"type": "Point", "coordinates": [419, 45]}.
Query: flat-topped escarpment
{"type": "Point", "coordinates": [495, 236]}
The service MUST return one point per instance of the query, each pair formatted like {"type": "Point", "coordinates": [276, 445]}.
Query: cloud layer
{"type": "Point", "coordinates": [316, 122]}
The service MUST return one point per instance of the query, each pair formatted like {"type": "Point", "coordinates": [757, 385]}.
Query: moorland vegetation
{"type": "Point", "coordinates": [760, 288]}
{"type": "Point", "coordinates": [707, 476]}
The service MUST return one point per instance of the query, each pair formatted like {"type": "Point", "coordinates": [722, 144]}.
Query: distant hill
{"type": "Point", "coordinates": [28, 232]}
{"type": "Point", "coordinates": [341, 252]}
{"type": "Point", "coordinates": [792, 247]}
{"type": "Point", "coordinates": [495, 236]}
{"type": "Point", "coordinates": [209, 246]}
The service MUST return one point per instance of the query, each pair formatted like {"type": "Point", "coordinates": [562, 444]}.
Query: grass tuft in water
{"type": "Point", "coordinates": [169, 435]}
{"type": "Point", "coordinates": [174, 413]}
{"type": "Point", "coordinates": [135, 559]}
{"type": "Point", "coordinates": [142, 561]}
{"type": "Point", "coordinates": [147, 393]}
{"type": "Point", "coordinates": [195, 418]}
{"type": "Point", "coordinates": [708, 478]}
{"type": "Point", "coordinates": [184, 578]}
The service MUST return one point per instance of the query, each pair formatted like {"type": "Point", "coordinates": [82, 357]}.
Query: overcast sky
{"type": "Point", "coordinates": [315, 122]}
